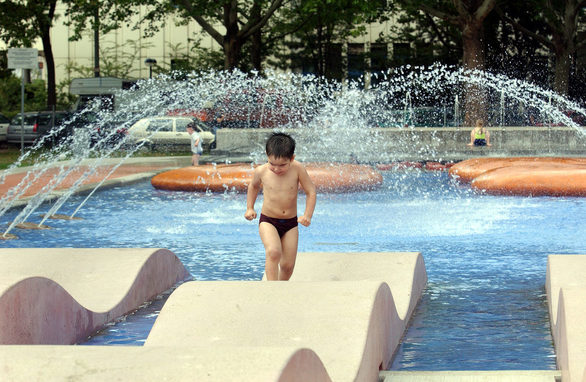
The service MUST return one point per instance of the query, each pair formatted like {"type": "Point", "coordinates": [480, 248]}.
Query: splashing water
{"type": "Point", "coordinates": [334, 116]}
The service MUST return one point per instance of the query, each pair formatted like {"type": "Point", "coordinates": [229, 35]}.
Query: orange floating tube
{"type": "Point", "coordinates": [327, 177]}
{"type": "Point", "coordinates": [467, 170]}
{"type": "Point", "coordinates": [525, 176]}
{"type": "Point", "coordinates": [437, 166]}
{"type": "Point", "coordinates": [398, 165]}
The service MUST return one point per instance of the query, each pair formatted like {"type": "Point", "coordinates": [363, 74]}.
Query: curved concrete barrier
{"type": "Point", "coordinates": [570, 334]}
{"type": "Point", "coordinates": [57, 296]}
{"type": "Point", "coordinates": [565, 288]}
{"type": "Point", "coordinates": [352, 326]}
{"type": "Point", "coordinates": [299, 331]}
{"type": "Point", "coordinates": [327, 177]}
{"type": "Point", "coordinates": [404, 272]}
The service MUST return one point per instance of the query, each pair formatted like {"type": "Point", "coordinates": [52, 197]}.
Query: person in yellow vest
{"type": "Point", "coordinates": [479, 136]}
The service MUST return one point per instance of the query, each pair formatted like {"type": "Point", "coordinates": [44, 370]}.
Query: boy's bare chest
{"type": "Point", "coordinates": [280, 184]}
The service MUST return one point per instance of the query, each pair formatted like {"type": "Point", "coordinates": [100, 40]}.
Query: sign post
{"type": "Point", "coordinates": [22, 58]}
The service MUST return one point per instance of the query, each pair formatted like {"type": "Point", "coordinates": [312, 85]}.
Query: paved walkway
{"type": "Point", "coordinates": [133, 169]}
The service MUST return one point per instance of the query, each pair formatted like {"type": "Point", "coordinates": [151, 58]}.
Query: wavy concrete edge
{"type": "Point", "coordinates": [352, 326]}
{"type": "Point", "coordinates": [304, 365]}
{"type": "Point", "coordinates": [565, 288]}
{"type": "Point", "coordinates": [570, 334]}
{"type": "Point", "coordinates": [563, 271]}
{"type": "Point", "coordinates": [21, 363]}
{"type": "Point", "coordinates": [38, 310]}
{"type": "Point", "coordinates": [374, 266]}
{"type": "Point", "coordinates": [418, 284]}
{"type": "Point", "coordinates": [384, 323]}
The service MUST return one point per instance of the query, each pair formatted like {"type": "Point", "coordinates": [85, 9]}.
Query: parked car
{"type": "Point", "coordinates": [37, 124]}
{"type": "Point", "coordinates": [4, 122]}
{"type": "Point", "coordinates": [168, 131]}
{"type": "Point", "coordinates": [96, 129]}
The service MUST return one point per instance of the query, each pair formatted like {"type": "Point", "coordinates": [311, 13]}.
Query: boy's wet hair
{"type": "Point", "coordinates": [190, 125]}
{"type": "Point", "coordinates": [280, 145]}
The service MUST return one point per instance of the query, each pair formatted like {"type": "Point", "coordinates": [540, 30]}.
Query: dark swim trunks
{"type": "Point", "coordinates": [480, 142]}
{"type": "Point", "coordinates": [282, 225]}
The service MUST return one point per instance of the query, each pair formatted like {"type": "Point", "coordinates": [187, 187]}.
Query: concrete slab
{"type": "Point", "coordinates": [404, 272]}
{"type": "Point", "coordinates": [352, 326]}
{"type": "Point", "coordinates": [566, 289]}
{"type": "Point", "coordinates": [563, 271]}
{"type": "Point", "coordinates": [570, 334]}
{"type": "Point", "coordinates": [61, 295]}
{"type": "Point", "coordinates": [471, 376]}
{"type": "Point", "coordinates": [154, 363]}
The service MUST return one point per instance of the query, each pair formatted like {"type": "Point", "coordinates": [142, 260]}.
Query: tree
{"type": "Point", "coordinates": [561, 20]}
{"type": "Point", "coordinates": [241, 20]}
{"type": "Point", "coordinates": [317, 29]}
{"type": "Point", "coordinates": [513, 53]}
{"type": "Point", "coordinates": [468, 16]}
{"type": "Point", "coordinates": [22, 22]}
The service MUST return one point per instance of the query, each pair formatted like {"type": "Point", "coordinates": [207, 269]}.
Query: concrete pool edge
{"type": "Point", "coordinates": [132, 170]}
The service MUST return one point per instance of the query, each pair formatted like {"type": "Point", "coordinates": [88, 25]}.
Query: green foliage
{"type": "Point", "coordinates": [433, 39]}
{"type": "Point", "coordinates": [316, 29]}
{"type": "Point", "coordinates": [198, 58]}
{"type": "Point", "coordinates": [103, 15]}
{"type": "Point", "coordinates": [4, 71]}
{"type": "Point", "coordinates": [116, 60]}
{"type": "Point", "coordinates": [10, 95]}
{"type": "Point", "coordinates": [555, 26]}
{"type": "Point", "coordinates": [16, 28]}
{"type": "Point", "coordinates": [23, 22]}
{"type": "Point", "coordinates": [35, 96]}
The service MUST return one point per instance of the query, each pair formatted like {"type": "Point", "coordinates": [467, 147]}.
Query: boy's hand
{"type": "Point", "coordinates": [250, 214]}
{"type": "Point", "coordinates": [304, 221]}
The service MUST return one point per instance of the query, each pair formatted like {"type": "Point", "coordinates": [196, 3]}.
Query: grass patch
{"type": "Point", "coordinates": [10, 154]}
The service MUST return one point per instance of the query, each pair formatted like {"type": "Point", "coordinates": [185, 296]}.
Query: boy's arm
{"type": "Point", "coordinates": [252, 193]}
{"type": "Point", "coordinates": [310, 196]}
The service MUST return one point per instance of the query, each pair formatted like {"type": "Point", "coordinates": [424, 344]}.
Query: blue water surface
{"type": "Point", "coordinates": [484, 307]}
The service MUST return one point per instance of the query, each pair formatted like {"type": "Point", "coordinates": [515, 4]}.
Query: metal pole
{"type": "Point", "coordinates": [22, 112]}
{"type": "Point", "coordinates": [97, 42]}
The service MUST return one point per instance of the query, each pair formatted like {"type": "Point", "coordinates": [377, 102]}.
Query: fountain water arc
{"type": "Point", "coordinates": [309, 103]}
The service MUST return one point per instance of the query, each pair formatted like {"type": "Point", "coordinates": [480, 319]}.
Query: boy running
{"type": "Point", "coordinates": [280, 178]}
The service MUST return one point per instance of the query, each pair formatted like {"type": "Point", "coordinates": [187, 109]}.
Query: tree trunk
{"type": "Point", "coordinates": [232, 49]}
{"type": "Point", "coordinates": [473, 59]}
{"type": "Point", "coordinates": [51, 86]}
{"type": "Point", "coordinates": [256, 39]}
{"type": "Point", "coordinates": [232, 45]}
{"type": "Point", "coordinates": [563, 62]}
{"type": "Point", "coordinates": [565, 47]}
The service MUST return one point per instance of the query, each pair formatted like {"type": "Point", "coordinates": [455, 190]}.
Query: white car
{"type": "Point", "coordinates": [4, 122]}
{"type": "Point", "coordinates": [168, 131]}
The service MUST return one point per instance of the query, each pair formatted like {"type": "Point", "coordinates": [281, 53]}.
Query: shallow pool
{"type": "Point", "coordinates": [484, 307]}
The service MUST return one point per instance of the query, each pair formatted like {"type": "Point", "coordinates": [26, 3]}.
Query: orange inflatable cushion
{"type": "Point", "coordinates": [327, 177]}
{"type": "Point", "coordinates": [469, 169]}
{"type": "Point", "coordinates": [525, 176]}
